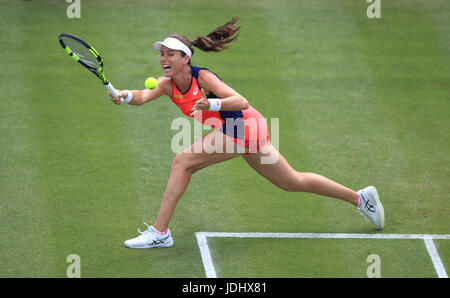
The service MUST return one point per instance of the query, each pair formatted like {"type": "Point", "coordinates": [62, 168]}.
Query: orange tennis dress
{"type": "Point", "coordinates": [247, 128]}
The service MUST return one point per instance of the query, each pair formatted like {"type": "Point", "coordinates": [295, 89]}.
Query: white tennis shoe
{"type": "Point", "coordinates": [150, 238]}
{"type": "Point", "coordinates": [370, 206]}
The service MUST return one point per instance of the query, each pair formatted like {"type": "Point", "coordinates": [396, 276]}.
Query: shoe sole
{"type": "Point", "coordinates": [380, 213]}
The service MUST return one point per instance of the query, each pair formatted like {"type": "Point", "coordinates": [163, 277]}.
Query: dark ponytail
{"type": "Point", "coordinates": [218, 39]}
{"type": "Point", "coordinates": [215, 41]}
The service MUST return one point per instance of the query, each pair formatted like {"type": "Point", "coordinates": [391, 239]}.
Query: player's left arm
{"type": "Point", "coordinates": [231, 100]}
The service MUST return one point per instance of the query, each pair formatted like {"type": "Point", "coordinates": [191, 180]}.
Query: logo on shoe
{"type": "Point", "coordinates": [367, 205]}
{"type": "Point", "coordinates": [159, 241]}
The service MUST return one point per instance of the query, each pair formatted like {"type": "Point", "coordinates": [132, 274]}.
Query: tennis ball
{"type": "Point", "coordinates": [151, 83]}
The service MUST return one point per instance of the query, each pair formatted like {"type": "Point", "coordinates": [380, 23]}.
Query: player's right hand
{"type": "Point", "coordinates": [117, 100]}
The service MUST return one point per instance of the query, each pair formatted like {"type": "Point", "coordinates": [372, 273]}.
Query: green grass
{"type": "Point", "coordinates": [361, 101]}
{"type": "Point", "coordinates": [315, 258]}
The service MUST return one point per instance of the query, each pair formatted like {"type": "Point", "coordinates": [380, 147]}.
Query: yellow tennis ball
{"type": "Point", "coordinates": [151, 83]}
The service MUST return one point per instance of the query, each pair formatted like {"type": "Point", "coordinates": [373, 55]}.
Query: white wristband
{"type": "Point", "coordinates": [129, 96]}
{"type": "Point", "coordinates": [215, 104]}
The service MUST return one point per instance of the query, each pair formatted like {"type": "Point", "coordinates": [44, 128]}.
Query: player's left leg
{"type": "Point", "coordinates": [284, 176]}
{"type": "Point", "coordinates": [281, 174]}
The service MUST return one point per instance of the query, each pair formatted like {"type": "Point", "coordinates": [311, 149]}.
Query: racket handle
{"type": "Point", "coordinates": [113, 90]}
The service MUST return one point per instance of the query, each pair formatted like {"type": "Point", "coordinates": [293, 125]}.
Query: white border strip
{"type": "Point", "coordinates": [428, 239]}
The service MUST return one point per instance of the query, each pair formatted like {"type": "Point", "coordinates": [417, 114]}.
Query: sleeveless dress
{"type": "Point", "coordinates": [247, 128]}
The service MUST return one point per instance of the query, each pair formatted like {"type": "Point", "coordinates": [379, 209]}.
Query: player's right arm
{"type": "Point", "coordinates": [141, 97]}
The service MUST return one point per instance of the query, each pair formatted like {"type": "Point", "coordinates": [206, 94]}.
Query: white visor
{"type": "Point", "coordinates": [174, 44]}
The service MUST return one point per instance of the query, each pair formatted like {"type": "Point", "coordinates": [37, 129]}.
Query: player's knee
{"type": "Point", "coordinates": [287, 186]}
{"type": "Point", "coordinates": [182, 162]}
{"type": "Point", "coordinates": [295, 184]}
{"type": "Point", "coordinates": [179, 162]}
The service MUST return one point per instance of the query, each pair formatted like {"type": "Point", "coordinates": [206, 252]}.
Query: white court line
{"type": "Point", "coordinates": [206, 255]}
{"type": "Point", "coordinates": [432, 251]}
{"type": "Point", "coordinates": [428, 239]}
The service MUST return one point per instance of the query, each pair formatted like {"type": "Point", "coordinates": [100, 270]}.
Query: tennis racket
{"type": "Point", "coordinates": [87, 56]}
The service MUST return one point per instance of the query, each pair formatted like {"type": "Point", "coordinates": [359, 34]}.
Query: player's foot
{"type": "Point", "coordinates": [370, 206]}
{"type": "Point", "coordinates": [150, 238]}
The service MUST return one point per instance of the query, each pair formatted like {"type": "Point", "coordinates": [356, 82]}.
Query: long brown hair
{"type": "Point", "coordinates": [215, 41]}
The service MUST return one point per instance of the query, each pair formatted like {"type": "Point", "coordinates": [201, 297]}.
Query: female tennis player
{"type": "Point", "coordinates": [201, 94]}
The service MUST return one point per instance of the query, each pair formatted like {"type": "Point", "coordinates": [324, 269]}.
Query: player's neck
{"type": "Point", "coordinates": [183, 79]}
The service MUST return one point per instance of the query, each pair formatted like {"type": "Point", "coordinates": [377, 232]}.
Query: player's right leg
{"type": "Point", "coordinates": [183, 166]}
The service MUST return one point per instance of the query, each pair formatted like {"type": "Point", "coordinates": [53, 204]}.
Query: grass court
{"type": "Point", "coordinates": [361, 101]}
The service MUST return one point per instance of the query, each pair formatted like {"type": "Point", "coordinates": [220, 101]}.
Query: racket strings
{"type": "Point", "coordinates": [82, 52]}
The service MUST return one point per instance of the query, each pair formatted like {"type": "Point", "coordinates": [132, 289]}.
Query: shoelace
{"type": "Point", "coordinates": [146, 231]}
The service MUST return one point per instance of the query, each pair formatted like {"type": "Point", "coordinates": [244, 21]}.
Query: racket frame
{"type": "Point", "coordinates": [97, 71]}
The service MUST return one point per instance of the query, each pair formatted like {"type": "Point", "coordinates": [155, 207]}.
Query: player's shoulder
{"type": "Point", "coordinates": [164, 80]}
{"type": "Point", "coordinates": [165, 84]}
{"type": "Point", "coordinates": [202, 74]}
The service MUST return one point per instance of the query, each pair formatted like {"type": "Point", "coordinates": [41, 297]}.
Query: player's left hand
{"type": "Point", "coordinates": [201, 104]}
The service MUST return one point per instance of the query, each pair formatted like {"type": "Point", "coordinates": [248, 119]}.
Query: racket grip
{"type": "Point", "coordinates": [113, 90]}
